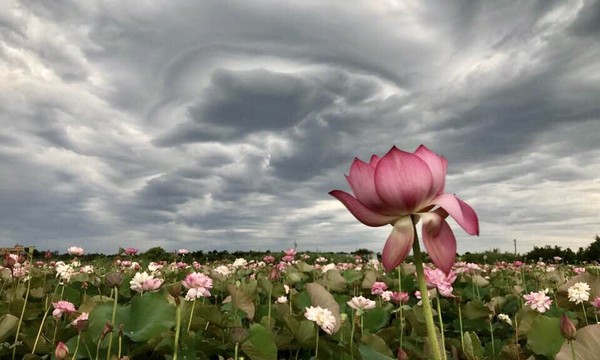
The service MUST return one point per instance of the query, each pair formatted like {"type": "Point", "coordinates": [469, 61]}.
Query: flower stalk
{"type": "Point", "coordinates": [440, 320]}
{"type": "Point", "coordinates": [112, 321]}
{"type": "Point", "coordinates": [177, 331]}
{"type": "Point", "coordinates": [427, 311]}
{"type": "Point", "coordinates": [22, 314]}
{"type": "Point", "coordinates": [189, 325]}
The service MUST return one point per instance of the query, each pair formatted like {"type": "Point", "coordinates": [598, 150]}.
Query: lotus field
{"type": "Point", "coordinates": [306, 306]}
{"type": "Point", "coordinates": [294, 306]}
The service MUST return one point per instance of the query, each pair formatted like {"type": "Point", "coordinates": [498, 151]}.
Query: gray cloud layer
{"type": "Point", "coordinates": [223, 124]}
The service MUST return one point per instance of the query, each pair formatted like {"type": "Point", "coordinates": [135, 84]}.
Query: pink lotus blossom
{"type": "Point", "coordinates": [596, 303]}
{"type": "Point", "coordinates": [131, 251]}
{"type": "Point", "coordinates": [360, 304]}
{"type": "Point", "coordinates": [62, 307]}
{"type": "Point", "coordinates": [20, 271]}
{"type": "Point", "coordinates": [389, 190]}
{"type": "Point", "coordinates": [378, 287]}
{"type": "Point", "coordinates": [578, 270]}
{"type": "Point", "coordinates": [198, 285]}
{"type": "Point", "coordinates": [183, 251]}
{"type": "Point", "coordinates": [180, 265]}
{"type": "Point", "coordinates": [75, 250]}
{"type": "Point", "coordinates": [400, 297]}
{"type": "Point", "coordinates": [290, 254]}
{"type": "Point", "coordinates": [538, 301]}
{"type": "Point", "coordinates": [387, 295]}
{"type": "Point", "coordinates": [144, 282]}
{"type": "Point", "coordinates": [436, 278]}
{"type": "Point", "coordinates": [82, 317]}
{"type": "Point", "coordinates": [269, 259]}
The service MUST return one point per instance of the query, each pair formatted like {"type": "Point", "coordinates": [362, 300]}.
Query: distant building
{"type": "Point", "coordinates": [17, 249]}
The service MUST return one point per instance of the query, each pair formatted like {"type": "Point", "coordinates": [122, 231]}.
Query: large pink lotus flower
{"type": "Point", "coordinates": [436, 278]}
{"type": "Point", "coordinates": [62, 307]}
{"type": "Point", "coordinates": [199, 286]}
{"type": "Point", "coordinates": [145, 282]}
{"type": "Point", "coordinates": [538, 301]}
{"type": "Point", "coordinates": [389, 190]}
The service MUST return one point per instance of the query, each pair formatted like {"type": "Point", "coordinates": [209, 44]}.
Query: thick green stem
{"type": "Point", "coordinates": [189, 326]}
{"type": "Point", "coordinates": [21, 318]}
{"type": "Point", "coordinates": [37, 338]}
{"type": "Point", "coordinates": [584, 313]}
{"type": "Point", "coordinates": [317, 345]}
{"type": "Point", "coordinates": [462, 333]}
{"type": "Point", "coordinates": [177, 331]}
{"type": "Point", "coordinates": [573, 354]}
{"type": "Point", "coordinates": [112, 322]}
{"type": "Point", "coordinates": [427, 312]}
{"type": "Point", "coordinates": [269, 308]}
{"type": "Point", "coordinates": [401, 314]}
{"type": "Point", "coordinates": [76, 346]}
{"type": "Point", "coordinates": [352, 334]}
{"type": "Point", "coordinates": [439, 311]}
{"type": "Point", "coordinates": [492, 335]}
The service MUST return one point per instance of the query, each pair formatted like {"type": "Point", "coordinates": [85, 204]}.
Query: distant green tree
{"type": "Point", "coordinates": [362, 252]}
{"type": "Point", "coordinates": [592, 252]}
{"type": "Point", "coordinates": [156, 254]}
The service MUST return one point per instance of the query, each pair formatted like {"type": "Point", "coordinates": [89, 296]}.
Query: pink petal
{"type": "Point", "coordinates": [403, 181]}
{"type": "Point", "coordinates": [464, 215]}
{"type": "Point", "coordinates": [361, 212]}
{"type": "Point", "coordinates": [439, 241]}
{"type": "Point", "coordinates": [398, 243]}
{"type": "Point", "coordinates": [374, 161]}
{"type": "Point", "coordinates": [362, 183]}
{"type": "Point", "coordinates": [438, 166]}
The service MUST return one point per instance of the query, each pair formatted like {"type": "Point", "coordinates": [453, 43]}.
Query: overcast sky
{"type": "Point", "coordinates": [224, 124]}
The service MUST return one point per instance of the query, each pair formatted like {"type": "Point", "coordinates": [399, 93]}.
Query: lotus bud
{"type": "Point", "coordinates": [61, 351]}
{"type": "Point", "coordinates": [274, 275]}
{"type": "Point", "coordinates": [238, 334]}
{"type": "Point", "coordinates": [113, 279]}
{"type": "Point", "coordinates": [108, 328]}
{"type": "Point", "coordinates": [402, 355]}
{"type": "Point", "coordinates": [9, 261]}
{"type": "Point", "coordinates": [175, 291]}
{"type": "Point", "coordinates": [567, 328]}
{"type": "Point", "coordinates": [80, 325]}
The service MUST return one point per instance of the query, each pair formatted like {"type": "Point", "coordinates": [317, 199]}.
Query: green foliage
{"type": "Point", "coordinates": [544, 337]}
{"type": "Point", "coordinates": [246, 314]}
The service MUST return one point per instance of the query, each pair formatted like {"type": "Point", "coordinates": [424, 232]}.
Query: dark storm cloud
{"type": "Point", "coordinates": [586, 23]}
{"type": "Point", "coordinates": [225, 123]}
{"type": "Point", "coordinates": [237, 103]}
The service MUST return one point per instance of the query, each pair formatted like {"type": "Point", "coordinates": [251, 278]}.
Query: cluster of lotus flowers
{"type": "Point", "coordinates": [198, 283]}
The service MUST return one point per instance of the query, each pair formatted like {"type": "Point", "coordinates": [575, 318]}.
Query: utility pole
{"type": "Point", "coordinates": [515, 242]}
